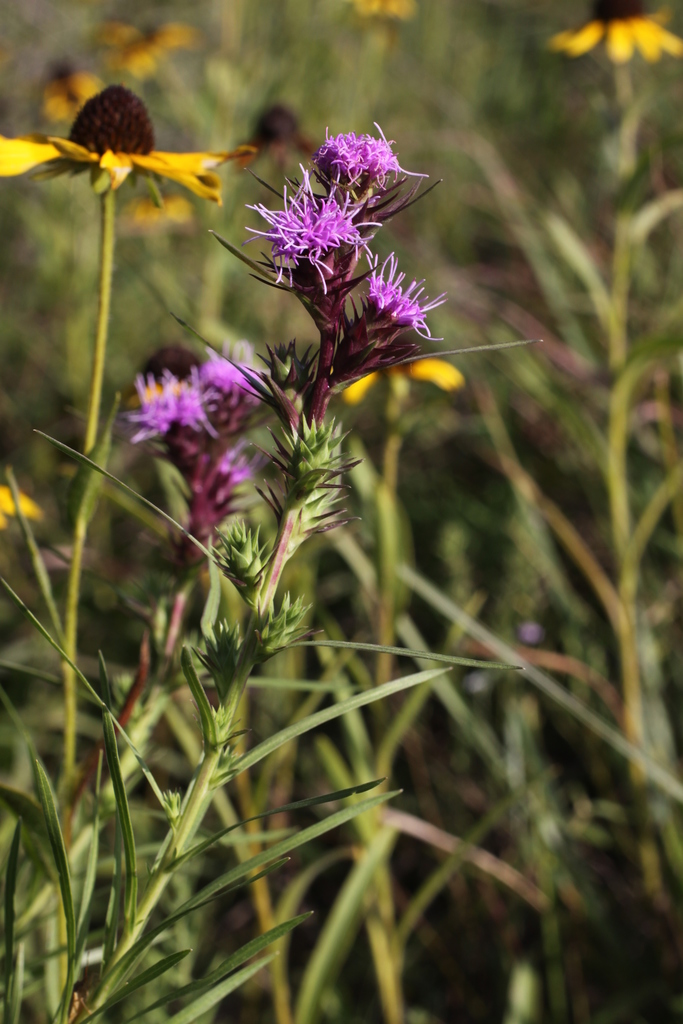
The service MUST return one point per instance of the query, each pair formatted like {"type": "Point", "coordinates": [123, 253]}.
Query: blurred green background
{"type": "Point", "coordinates": [524, 140]}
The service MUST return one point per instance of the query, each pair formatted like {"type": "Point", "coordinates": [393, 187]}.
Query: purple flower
{"type": "Point", "coordinates": [310, 227]}
{"type": "Point", "coordinates": [403, 307]}
{"type": "Point", "coordinates": [168, 403]}
{"type": "Point", "coordinates": [348, 158]}
{"type": "Point", "coordinates": [221, 375]}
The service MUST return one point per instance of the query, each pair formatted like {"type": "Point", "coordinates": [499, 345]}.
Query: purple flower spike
{"type": "Point", "coordinates": [403, 307]}
{"type": "Point", "coordinates": [221, 375]}
{"type": "Point", "coordinates": [348, 158]}
{"type": "Point", "coordinates": [308, 228]}
{"type": "Point", "coordinates": [168, 403]}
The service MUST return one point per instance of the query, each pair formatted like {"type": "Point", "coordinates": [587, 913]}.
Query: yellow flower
{"type": "Point", "coordinates": [436, 371]}
{"type": "Point", "coordinates": [402, 9]}
{"type": "Point", "coordinates": [624, 26]}
{"type": "Point", "coordinates": [66, 92]}
{"type": "Point", "coordinates": [140, 54]}
{"type": "Point", "coordinates": [144, 215]}
{"type": "Point", "coordinates": [113, 134]}
{"type": "Point", "coordinates": [8, 508]}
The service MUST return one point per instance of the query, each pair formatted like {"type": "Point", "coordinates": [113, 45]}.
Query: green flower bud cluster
{"type": "Point", "coordinates": [312, 462]}
{"type": "Point", "coordinates": [172, 805]}
{"type": "Point", "coordinates": [242, 559]}
{"type": "Point", "coordinates": [282, 628]}
{"type": "Point", "coordinates": [220, 657]}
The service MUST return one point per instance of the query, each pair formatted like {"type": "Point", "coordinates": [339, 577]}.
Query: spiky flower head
{"type": "Point", "coordinates": [220, 657]}
{"type": "Point", "coordinates": [404, 308]}
{"type": "Point", "coordinates": [310, 228]}
{"type": "Point", "coordinates": [349, 159]}
{"type": "Point", "coordinates": [282, 628]}
{"type": "Point", "coordinates": [242, 559]}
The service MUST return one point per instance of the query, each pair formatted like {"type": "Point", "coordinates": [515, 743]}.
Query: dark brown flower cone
{"type": "Point", "coordinates": [117, 120]}
{"type": "Point", "coordinates": [616, 10]}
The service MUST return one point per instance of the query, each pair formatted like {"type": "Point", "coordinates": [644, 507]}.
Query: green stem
{"type": "Point", "coordinates": [81, 526]}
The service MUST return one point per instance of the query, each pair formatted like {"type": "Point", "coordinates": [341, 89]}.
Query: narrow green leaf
{"type": "Point", "coordinates": [130, 898]}
{"type": "Point", "coordinates": [41, 573]}
{"type": "Point", "coordinates": [252, 264]}
{"type": "Point", "coordinates": [28, 670]}
{"type": "Point", "coordinates": [86, 485]}
{"type": "Point", "coordinates": [302, 685]}
{"type": "Point", "coordinates": [327, 714]}
{"type": "Point", "coordinates": [85, 461]}
{"type": "Point", "coordinates": [200, 698]}
{"type": "Point", "coordinates": [47, 801]}
{"type": "Point", "coordinates": [190, 330]}
{"type": "Point", "coordinates": [17, 988]}
{"type": "Point", "coordinates": [128, 961]}
{"type": "Point", "coordinates": [83, 923]}
{"type": "Point", "coordinates": [213, 599]}
{"type": "Point", "coordinates": [10, 888]}
{"type": "Point", "coordinates": [151, 974]}
{"type": "Point", "coordinates": [312, 801]}
{"type": "Point", "coordinates": [104, 680]}
{"type": "Point", "coordinates": [236, 960]}
{"type": "Point", "coordinates": [404, 652]}
{"type": "Point", "coordinates": [210, 999]}
{"type": "Point", "coordinates": [36, 839]}
{"type": "Point", "coordinates": [111, 922]}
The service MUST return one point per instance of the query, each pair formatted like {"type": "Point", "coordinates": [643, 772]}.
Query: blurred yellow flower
{"type": "Point", "coordinates": [113, 134]}
{"type": "Point", "coordinates": [66, 92]}
{"type": "Point", "coordinates": [139, 54]}
{"type": "Point", "coordinates": [403, 9]}
{"type": "Point", "coordinates": [624, 26]}
{"type": "Point", "coordinates": [143, 213]}
{"type": "Point", "coordinates": [436, 371]}
{"type": "Point", "coordinates": [8, 508]}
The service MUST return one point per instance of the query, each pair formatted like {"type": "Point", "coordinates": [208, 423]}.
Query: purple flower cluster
{"type": "Point", "coordinates": [168, 403]}
{"type": "Point", "coordinates": [349, 159]}
{"type": "Point", "coordinates": [309, 228]}
{"type": "Point", "coordinates": [316, 242]}
{"type": "Point", "coordinates": [403, 307]}
{"type": "Point", "coordinates": [195, 420]}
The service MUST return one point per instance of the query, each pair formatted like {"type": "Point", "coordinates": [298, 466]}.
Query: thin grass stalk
{"type": "Point", "coordinates": [107, 241]}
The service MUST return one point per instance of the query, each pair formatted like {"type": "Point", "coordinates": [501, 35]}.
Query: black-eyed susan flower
{"type": "Point", "coordinates": [8, 508]}
{"type": "Point", "coordinates": [401, 9]}
{"type": "Point", "coordinates": [625, 27]}
{"type": "Point", "coordinates": [66, 91]}
{"type": "Point", "coordinates": [140, 53]}
{"type": "Point", "coordinates": [434, 371]}
{"type": "Point", "coordinates": [113, 133]}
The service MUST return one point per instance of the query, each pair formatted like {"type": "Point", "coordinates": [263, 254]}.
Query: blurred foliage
{"type": "Point", "coordinates": [564, 921]}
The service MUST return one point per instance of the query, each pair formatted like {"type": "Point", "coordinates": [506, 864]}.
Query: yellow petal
{"type": "Point", "coordinates": [176, 35]}
{"type": "Point", "coordinates": [64, 96]}
{"type": "Point", "coordinates": [20, 155]}
{"type": "Point", "coordinates": [140, 59]}
{"type": "Point", "coordinates": [670, 43]}
{"type": "Point", "coordinates": [119, 166]}
{"type": "Point", "coordinates": [436, 371]}
{"type": "Point", "coordinates": [578, 41]}
{"type": "Point", "coordinates": [356, 392]}
{"type": "Point", "coordinates": [117, 33]}
{"type": "Point", "coordinates": [620, 41]}
{"type": "Point", "coordinates": [386, 8]}
{"type": "Point", "coordinates": [72, 150]}
{"type": "Point", "coordinates": [27, 506]}
{"type": "Point", "coordinates": [647, 36]}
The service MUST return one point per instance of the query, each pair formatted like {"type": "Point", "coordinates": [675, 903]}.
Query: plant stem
{"type": "Point", "coordinates": [81, 527]}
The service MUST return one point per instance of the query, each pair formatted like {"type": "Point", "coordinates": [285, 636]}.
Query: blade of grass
{"type": "Point", "coordinates": [210, 999]}
{"type": "Point", "coordinates": [236, 960]}
{"type": "Point", "coordinates": [85, 908]}
{"type": "Point", "coordinates": [404, 652]}
{"type": "Point", "coordinates": [10, 889]}
{"type": "Point", "coordinates": [111, 922]}
{"type": "Point", "coordinates": [312, 801]}
{"type": "Point", "coordinates": [327, 714]}
{"type": "Point", "coordinates": [130, 897]}
{"type": "Point", "coordinates": [41, 573]}
{"type": "Point", "coordinates": [142, 979]}
{"type": "Point", "coordinates": [54, 830]}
